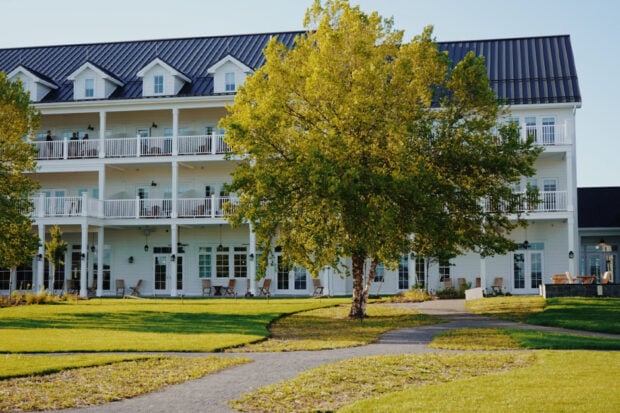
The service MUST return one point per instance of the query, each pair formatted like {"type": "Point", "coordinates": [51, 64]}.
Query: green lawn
{"type": "Point", "coordinates": [590, 314]}
{"type": "Point", "coordinates": [144, 325]}
{"type": "Point", "coordinates": [558, 381]}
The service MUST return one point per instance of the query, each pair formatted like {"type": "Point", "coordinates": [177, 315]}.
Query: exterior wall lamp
{"type": "Point", "coordinates": [251, 257]}
{"type": "Point", "coordinates": [83, 256]}
{"type": "Point", "coordinates": [130, 260]}
{"type": "Point", "coordinates": [173, 257]}
{"type": "Point", "coordinates": [571, 255]}
{"type": "Point", "coordinates": [39, 257]}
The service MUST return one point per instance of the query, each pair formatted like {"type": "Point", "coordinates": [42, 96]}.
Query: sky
{"type": "Point", "coordinates": [593, 26]}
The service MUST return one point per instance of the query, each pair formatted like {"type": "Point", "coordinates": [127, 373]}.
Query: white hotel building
{"type": "Point", "coordinates": [142, 197]}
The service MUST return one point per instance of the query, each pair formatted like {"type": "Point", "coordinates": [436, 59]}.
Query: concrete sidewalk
{"type": "Point", "coordinates": [211, 393]}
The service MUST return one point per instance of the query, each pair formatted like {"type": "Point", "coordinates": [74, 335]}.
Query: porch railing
{"type": "Point", "coordinates": [546, 201]}
{"type": "Point", "coordinates": [132, 147]}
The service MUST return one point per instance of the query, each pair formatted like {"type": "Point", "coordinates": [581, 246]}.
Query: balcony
{"type": "Point", "coordinates": [547, 201]}
{"type": "Point", "coordinates": [546, 135]}
{"type": "Point", "coordinates": [132, 147]}
{"type": "Point", "coordinates": [75, 206]}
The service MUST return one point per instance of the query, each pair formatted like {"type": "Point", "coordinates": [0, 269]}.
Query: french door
{"type": "Point", "coordinates": [527, 271]}
{"type": "Point", "coordinates": [162, 273]}
{"type": "Point", "coordinates": [291, 281]}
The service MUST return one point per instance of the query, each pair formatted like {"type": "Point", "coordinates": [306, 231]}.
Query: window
{"type": "Point", "coordinates": [229, 79]}
{"type": "Point", "coordinates": [282, 274]}
{"type": "Point", "coordinates": [5, 277]}
{"type": "Point", "coordinates": [158, 84]}
{"type": "Point", "coordinates": [444, 270]}
{"type": "Point", "coordinates": [379, 272]}
{"type": "Point", "coordinates": [548, 131]}
{"type": "Point", "coordinates": [222, 266]}
{"type": "Point", "coordinates": [301, 278]}
{"type": "Point", "coordinates": [89, 88]}
{"type": "Point", "coordinates": [240, 264]}
{"type": "Point", "coordinates": [204, 262]}
{"type": "Point", "coordinates": [530, 127]}
{"type": "Point", "coordinates": [419, 271]}
{"type": "Point", "coordinates": [403, 273]}
{"type": "Point", "coordinates": [24, 277]}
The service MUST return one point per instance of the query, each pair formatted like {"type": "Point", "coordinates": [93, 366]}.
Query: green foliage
{"type": "Point", "coordinates": [343, 155]}
{"type": "Point", "coordinates": [55, 250]}
{"type": "Point", "coordinates": [18, 119]}
{"type": "Point", "coordinates": [518, 309]}
{"type": "Point", "coordinates": [449, 293]}
{"type": "Point", "coordinates": [414, 295]}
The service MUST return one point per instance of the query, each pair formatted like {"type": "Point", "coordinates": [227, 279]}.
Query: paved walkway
{"type": "Point", "coordinates": [211, 393]}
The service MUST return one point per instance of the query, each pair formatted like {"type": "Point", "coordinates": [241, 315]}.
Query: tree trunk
{"type": "Point", "coordinates": [360, 294]}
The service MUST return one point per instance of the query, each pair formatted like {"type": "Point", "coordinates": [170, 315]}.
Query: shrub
{"type": "Point", "coordinates": [415, 295]}
{"type": "Point", "coordinates": [449, 293]}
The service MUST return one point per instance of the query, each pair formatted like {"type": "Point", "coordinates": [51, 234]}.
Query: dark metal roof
{"type": "Point", "coordinates": [598, 207]}
{"type": "Point", "coordinates": [522, 71]}
{"type": "Point", "coordinates": [525, 70]}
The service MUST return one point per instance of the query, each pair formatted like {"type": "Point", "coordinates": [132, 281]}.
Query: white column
{"type": "Point", "coordinates": [40, 262]}
{"type": "Point", "coordinates": [173, 267]}
{"type": "Point", "coordinates": [252, 261]}
{"type": "Point", "coordinates": [100, 256]}
{"type": "Point", "coordinates": [175, 189]}
{"type": "Point", "coordinates": [571, 245]}
{"type": "Point", "coordinates": [101, 187]}
{"type": "Point", "coordinates": [483, 273]}
{"type": "Point", "coordinates": [83, 267]}
{"type": "Point", "coordinates": [175, 131]}
{"type": "Point", "coordinates": [102, 126]}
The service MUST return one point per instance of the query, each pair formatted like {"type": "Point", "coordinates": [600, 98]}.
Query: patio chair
{"type": "Point", "coordinates": [318, 288]}
{"type": "Point", "coordinates": [264, 290]}
{"type": "Point", "coordinates": [478, 282]}
{"type": "Point", "coordinates": [92, 290]}
{"type": "Point", "coordinates": [462, 282]}
{"type": "Point", "coordinates": [606, 277]}
{"type": "Point", "coordinates": [570, 279]}
{"type": "Point", "coordinates": [230, 288]}
{"type": "Point", "coordinates": [206, 287]}
{"type": "Point", "coordinates": [498, 285]}
{"type": "Point", "coordinates": [559, 279]}
{"type": "Point", "coordinates": [135, 290]}
{"type": "Point", "coordinates": [447, 283]}
{"type": "Point", "coordinates": [120, 287]}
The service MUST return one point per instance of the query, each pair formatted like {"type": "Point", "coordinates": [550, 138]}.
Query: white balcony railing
{"type": "Point", "coordinates": [547, 201]}
{"type": "Point", "coordinates": [546, 135]}
{"type": "Point", "coordinates": [132, 147]}
{"type": "Point", "coordinates": [76, 206]}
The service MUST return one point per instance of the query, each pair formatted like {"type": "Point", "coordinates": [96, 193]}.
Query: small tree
{"type": "Point", "coordinates": [354, 143]}
{"type": "Point", "coordinates": [55, 250]}
{"type": "Point", "coordinates": [18, 119]}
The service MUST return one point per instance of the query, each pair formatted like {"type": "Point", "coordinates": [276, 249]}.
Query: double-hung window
{"type": "Point", "coordinates": [158, 84]}
{"type": "Point", "coordinates": [89, 88]}
{"type": "Point", "coordinates": [229, 79]}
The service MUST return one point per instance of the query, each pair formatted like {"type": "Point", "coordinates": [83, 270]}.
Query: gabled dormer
{"type": "Point", "coordinates": [93, 82]}
{"type": "Point", "coordinates": [228, 74]}
{"type": "Point", "coordinates": [161, 79]}
{"type": "Point", "coordinates": [37, 84]}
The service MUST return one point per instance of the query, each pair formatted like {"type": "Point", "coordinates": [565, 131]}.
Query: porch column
{"type": "Point", "coordinates": [175, 131]}
{"type": "Point", "coordinates": [100, 256]}
{"type": "Point", "coordinates": [39, 281]}
{"type": "Point", "coordinates": [174, 238]}
{"type": "Point", "coordinates": [102, 126]}
{"type": "Point", "coordinates": [252, 260]}
{"type": "Point", "coordinates": [101, 189]}
{"type": "Point", "coordinates": [83, 267]}
{"type": "Point", "coordinates": [174, 213]}
{"type": "Point", "coordinates": [483, 273]}
{"type": "Point", "coordinates": [571, 245]}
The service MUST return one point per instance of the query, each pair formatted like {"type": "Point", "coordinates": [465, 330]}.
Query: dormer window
{"type": "Point", "coordinates": [93, 82]}
{"type": "Point", "coordinates": [228, 74]}
{"type": "Point", "coordinates": [159, 78]}
{"type": "Point", "coordinates": [158, 84]}
{"type": "Point", "coordinates": [89, 88]}
{"type": "Point", "coordinates": [230, 82]}
{"type": "Point", "coordinates": [33, 82]}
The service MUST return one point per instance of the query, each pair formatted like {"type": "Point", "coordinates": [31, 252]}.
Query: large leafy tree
{"type": "Point", "coordinates": [17, 119]}
{"type": "Point", "coordinates": [356, 144]}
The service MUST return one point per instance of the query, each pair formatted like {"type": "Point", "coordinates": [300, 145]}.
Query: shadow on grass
{"type": "Point", "coordinates": [590, 314]}
{"type": "Point", "coordinates": [556, 341]}
{"type": "Point", "coordinates": [151, 321]}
